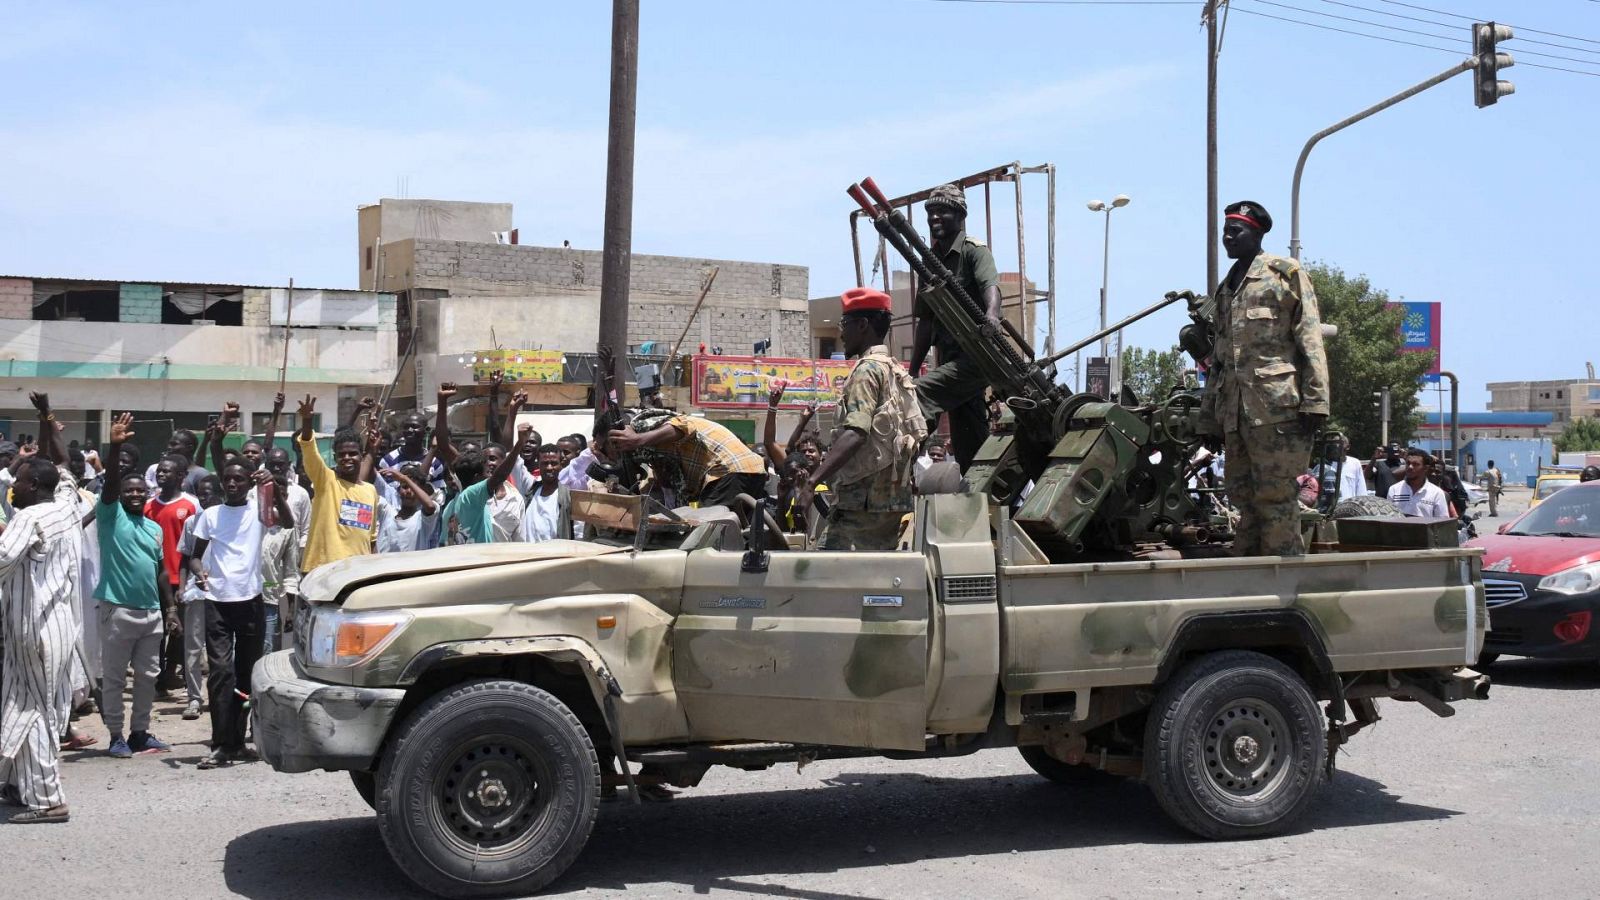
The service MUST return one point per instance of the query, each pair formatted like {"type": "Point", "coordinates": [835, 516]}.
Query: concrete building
{"type": "Point", "coordinates": [461, 291]}
{"type": "Point", "coordinates": [824, 316]}
{"type": "Point", "coordinates": [1565, 399]}
{"type": "Point", "coordinates": [172, 352]}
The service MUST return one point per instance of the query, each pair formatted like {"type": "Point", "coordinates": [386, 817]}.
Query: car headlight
{"type": "Point", "coordinates": [338, 638]}
{"type": "Point", "coordinates": [1576, 580]}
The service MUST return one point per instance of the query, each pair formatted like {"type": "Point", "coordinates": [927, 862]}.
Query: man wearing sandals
{"type": "Point", "coordinates": [39, 569]}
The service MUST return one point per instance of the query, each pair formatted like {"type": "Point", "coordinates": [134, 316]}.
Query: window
{"type": "Point", "coordinates": [369, 259]}
{"type": "Point", "coordinates": [826, 347]}
{"type": "Point", "coordinates": [1558, 395]}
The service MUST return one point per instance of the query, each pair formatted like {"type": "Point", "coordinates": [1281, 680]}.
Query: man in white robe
{"type": "Point", "coordinates": [39, 570]}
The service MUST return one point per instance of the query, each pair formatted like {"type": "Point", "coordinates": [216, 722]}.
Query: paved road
{"type": "Point", "coordinates": [1499, 800]}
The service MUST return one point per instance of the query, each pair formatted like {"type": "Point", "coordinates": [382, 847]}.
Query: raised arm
{"type": "Point", "coordinates": [121, 430]}
{"type": "Point", "coordinates": [369, 455]}
{"type": "Point", "coordinates": [800, 428]}
{"type": "Point", "coordinates": [769, 431]}
{"type": "Point", "coordinates": [508, 436]}
{"type": "Point", "coordinates": [441, 425]}
{"type": "Point", "coordinates": [50, 443]}
{"type": "Point", "coordinates": [280, 496]}
{"type": "Point", "coordinates": [496, 379]}
{"type": "Point", "coordinates": [364, 408]}
{"type": "Point", "coordinates": [507, 463]}
{"type": "Point", "coordinates": [272, 423]}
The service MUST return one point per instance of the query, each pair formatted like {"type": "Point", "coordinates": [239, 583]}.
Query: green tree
{"type": "Point", "coordinates": [1365, 357]}
{"type": "Point", "coordinates": [1152, 374]}
{"type": "Point", "coordinates": [1580, 434]}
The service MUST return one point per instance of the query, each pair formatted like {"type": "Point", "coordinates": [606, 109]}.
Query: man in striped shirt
{"type": "Point", "coordinates": [39, 570]}
{"type": "Point", "coordinates": [716, 466]}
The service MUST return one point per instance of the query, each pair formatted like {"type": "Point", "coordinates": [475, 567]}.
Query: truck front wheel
{"type": "Point", "coordinates": [1235, 746]}
{"type": "Point", "coordinates": [491, 788]}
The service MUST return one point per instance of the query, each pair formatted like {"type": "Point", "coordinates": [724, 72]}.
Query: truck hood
{"type": "Point", "coordinates": [328, 583]}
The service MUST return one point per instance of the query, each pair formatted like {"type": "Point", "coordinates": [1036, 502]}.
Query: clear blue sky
{"type": "Point", "coordinates": [201, 142]}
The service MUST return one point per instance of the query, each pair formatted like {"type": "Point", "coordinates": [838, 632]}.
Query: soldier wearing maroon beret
{"type": "Point", "coordinates": [1267, 386]}
{"type": "Point", "coordinates": [877, 434]}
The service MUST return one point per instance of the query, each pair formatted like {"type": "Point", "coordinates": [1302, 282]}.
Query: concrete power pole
{"type": "Point", "coordinates": [618, 249]}
{"type": "Point", "coordinates": [1212, 49]}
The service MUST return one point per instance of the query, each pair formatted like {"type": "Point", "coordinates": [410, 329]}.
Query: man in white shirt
{"type": "Point", "coordinates": [1338, 475]}
{"type": "Point", "coordinates": [409, 518]}
{"type": "Point", "coordinates": [279, 463]}
{"type": "Point", "coordinates": [548, 515]}
{"type": "Point", "coordinates": [1416, 495]}
{"type": "Point", "coordinates": [226, 564]}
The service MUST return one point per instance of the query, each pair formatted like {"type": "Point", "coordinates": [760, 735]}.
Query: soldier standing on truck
{"type": "Point", "coordinates": [877, 434]}
{"type": "Point", "coordinates": [957, 385]}
{"type": "Point", "coordinates": [1267, 391]}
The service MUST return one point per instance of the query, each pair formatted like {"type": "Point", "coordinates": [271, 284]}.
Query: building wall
{"type": "Point", "coordinates": [390, 220]}
{"type": "Point", "coordinates": [16, 298]}
{"type": "Point", "coordinates": [1566, 398]}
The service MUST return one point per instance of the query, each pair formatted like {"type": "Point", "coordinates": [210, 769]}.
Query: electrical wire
{"type": "Point", "coordinates": [1254, 12]}
{"type": "Point", "coordinates": [1438, 37]}
{"type": "Point", "coordinates": [1520, 40]}
{"type": "Point", "coordinates": [1078, 2]}
{"type": "Point", "coordinates": [1445, 12]}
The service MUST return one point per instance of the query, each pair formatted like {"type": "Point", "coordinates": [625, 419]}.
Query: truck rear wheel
{"type": "Point", "coordinates": [1063, 773]}
{"type": "Point", "coordinates": [1235, 746]}
{"type": "Point", "coordinates": [491, 788]}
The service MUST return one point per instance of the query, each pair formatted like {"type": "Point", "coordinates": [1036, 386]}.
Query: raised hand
{"type": "Point", "coordinates": [519, 399]}
{"type": "Point", "coordinates": [40, 401]}
{"type": "Point", "coordinates": [524, 431]}
{"type": "Point", "coordinates": [447, 390]}
{"type": "Point", "coordinates": [122, 428]}
{"type": "Point", "coordinates": [775, 396]}
{"type": "Point", "coordinates": [497, 378]}
{"type": "Point", "coordinates": [308, 408]}
{"type": "Point", "coordinates": [277, 401]}
{"type": "Point", "coordinates": [230, 415]}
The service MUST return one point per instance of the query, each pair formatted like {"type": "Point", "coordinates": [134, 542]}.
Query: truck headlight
{"type": "Point", "coordinates": [339, 638]}
{"type": "Point", "coordinates": [1576, 580]}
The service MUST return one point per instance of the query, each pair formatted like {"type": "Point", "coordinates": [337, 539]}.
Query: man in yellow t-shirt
{"type": "Point", "coordinates": [344, 507]}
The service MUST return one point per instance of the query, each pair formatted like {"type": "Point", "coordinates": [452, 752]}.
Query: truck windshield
{"type": "Point", "coordinates": [1574, 512]}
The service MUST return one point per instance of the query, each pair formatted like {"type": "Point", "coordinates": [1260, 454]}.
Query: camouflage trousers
{"type": "Point", "coordinates": [956, 387]}
{"type": "Point", "coordinates": [861, 529]}
{"type": "Point", "coordinates": [1263, 462]}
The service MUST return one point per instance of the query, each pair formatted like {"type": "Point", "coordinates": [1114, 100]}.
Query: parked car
{"type": "Point", "coordinates": [1548, 483]}
{"type": "Point", "coordinates": [1541, 579]}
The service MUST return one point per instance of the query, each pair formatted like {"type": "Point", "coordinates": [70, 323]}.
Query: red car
{"type": "Point", "coordinates": [1541, 574]}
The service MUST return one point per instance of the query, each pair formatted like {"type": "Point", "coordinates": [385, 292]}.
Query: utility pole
{"type": "Point", "coordinates": [1212, 50]}
{"type": "Point", "coordinates": [618, 248]}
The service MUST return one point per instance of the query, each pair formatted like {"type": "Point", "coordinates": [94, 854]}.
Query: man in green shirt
{"type": "Point", "coordinates": [133, 590]}
{"type": "Point", "coordinates": [957, 385]}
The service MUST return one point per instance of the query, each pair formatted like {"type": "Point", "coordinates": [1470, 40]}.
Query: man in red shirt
{"type": "Point", "coordinates": [171, 509]}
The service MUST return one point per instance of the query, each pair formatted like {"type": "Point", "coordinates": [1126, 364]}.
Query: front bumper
{"type": "Point", "coordinates": [1524, 625]}
{"type": "Point", "coordinates": [302, 724]}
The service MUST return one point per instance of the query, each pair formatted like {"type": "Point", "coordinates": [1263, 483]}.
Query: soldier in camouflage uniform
{"type": "Point", "coordinates": [1267, 386]}
{"type": "Point", "coordinates": [957, 385]}
{"type": "Point", "coordinates": [877, 434]}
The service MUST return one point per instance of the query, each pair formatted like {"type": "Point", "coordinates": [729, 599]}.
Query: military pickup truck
{"type": "Point", "coordinates": [482, 698]}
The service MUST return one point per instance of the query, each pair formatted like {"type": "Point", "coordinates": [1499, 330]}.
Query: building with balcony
{"type": "Point", "coordinates": [172, 352]}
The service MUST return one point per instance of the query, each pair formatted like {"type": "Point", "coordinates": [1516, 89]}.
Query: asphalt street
{"type": "Point", "coordinates": [1498, 800]}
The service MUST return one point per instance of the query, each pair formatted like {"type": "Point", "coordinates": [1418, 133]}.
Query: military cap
{"type": "Point", "coordinates": [1251, 213]}
{"type": "Point", "coordinates": [948, 195]}
{"type": "Point", "coordinates": [864, 299]}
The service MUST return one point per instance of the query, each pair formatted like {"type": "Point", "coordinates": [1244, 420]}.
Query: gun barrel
{"type": "Point", "coordinates": [1112, 329]}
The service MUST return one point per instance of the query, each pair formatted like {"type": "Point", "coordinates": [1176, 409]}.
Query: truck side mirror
{"type": "Point", "coordinates": [756, 558]}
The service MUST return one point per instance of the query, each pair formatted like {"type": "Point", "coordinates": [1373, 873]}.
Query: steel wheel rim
{"type": "Point", "coordinates": [1247, 749]}
{"type": "Point", "coordinates": [493, 796]}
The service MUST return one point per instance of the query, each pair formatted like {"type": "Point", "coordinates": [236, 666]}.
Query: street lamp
{"type": "Point", "coordinates": [1117, 202]}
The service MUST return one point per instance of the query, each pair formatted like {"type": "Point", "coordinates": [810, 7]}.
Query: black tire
{"type": "Point", "coordinates": [1064, 773]}
{"type": "Point", "coordinates": [1235, 746]}
{"type": "Point", "coordinates": [366, 784]}
{"type": "Point", "coordinates": [530, 754]}
{"type": "Point", "coordinates": [1487, 659]}
{"type": "Point", "coordinates": [1365, 505]}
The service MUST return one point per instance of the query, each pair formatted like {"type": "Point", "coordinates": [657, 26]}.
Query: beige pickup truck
{"type": "Point", "coordinates": [482, 698]}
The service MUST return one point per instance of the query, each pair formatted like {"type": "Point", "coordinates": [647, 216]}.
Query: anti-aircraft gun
{"type": "Point", "coordinates": [1106, 475]}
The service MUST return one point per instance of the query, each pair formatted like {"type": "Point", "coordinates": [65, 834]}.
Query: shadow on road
{"type": "Point", "coordinates": [855, 821]}
{"type": "Point", "coordinates": [1551, 674]}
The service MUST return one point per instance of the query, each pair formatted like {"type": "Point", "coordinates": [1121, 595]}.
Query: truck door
{"type": "Point", "coordinates": [822, 648]}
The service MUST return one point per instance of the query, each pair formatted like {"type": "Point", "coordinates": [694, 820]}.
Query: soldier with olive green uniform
{"type": "Point", "coordinates": [1267, 387]}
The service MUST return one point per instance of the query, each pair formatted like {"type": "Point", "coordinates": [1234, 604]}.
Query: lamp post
{"type": "Point", "coordinates": [1119, 200]}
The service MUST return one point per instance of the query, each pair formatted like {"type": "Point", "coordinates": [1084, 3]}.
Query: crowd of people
{"type": "Point", "coordinates": [126, 581]}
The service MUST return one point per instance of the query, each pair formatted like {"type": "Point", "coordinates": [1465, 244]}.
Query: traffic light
{"type": "Point", "coordinates": [1486, 86]}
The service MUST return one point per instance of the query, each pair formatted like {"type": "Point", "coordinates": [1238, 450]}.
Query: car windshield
{"type": "Point", "coordinates": [1570, 513]}
{"type": "Point", "coordinates": [1551, 485]}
